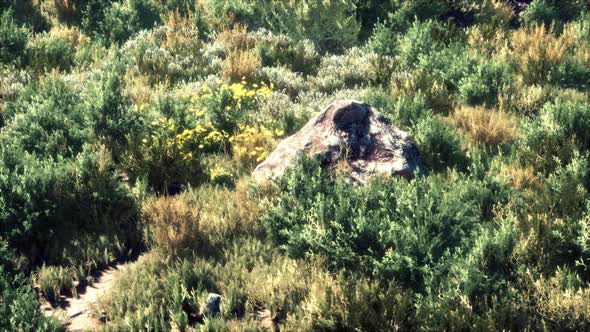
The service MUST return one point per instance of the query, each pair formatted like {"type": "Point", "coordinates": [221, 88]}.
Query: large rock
{"type": "Point", "coordinates": [350, 131]}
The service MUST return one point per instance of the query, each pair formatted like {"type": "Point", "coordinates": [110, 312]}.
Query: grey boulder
{"type": "Point", "coordinates": [349, 131]}
{"type": "Point", "coordinates": [213, 305]}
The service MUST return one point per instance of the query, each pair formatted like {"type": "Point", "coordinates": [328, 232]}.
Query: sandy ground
{"type": "Point", "coordinates": [76, 312]}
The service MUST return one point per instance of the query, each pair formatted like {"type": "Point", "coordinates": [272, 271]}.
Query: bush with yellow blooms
{"type": "Point", "coordinates": [252, 144]}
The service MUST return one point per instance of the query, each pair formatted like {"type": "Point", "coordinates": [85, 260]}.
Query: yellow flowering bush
{"type": "Point", "coordinates": [222, 176]}
{"type": "Point", "coordinates": [182, 143]}
{"type": "Point", "coordinates": [252, 144]}
{"type": "Point", "coordinates": [226, 105]}
{"type": "Point", "coordinates": [179, 133]}
{"type": "Point", "coordinates": [172, 153]}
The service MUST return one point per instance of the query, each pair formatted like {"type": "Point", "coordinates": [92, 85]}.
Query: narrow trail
{"type": "Point", "coordinates": [76, 313]}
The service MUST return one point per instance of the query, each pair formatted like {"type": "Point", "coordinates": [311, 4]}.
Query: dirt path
{"type": "Point", "coordinates": [76, 312]}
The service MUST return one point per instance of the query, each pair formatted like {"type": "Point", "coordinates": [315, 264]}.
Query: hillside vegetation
{"type": "Point", "coordinates": [132, 126]}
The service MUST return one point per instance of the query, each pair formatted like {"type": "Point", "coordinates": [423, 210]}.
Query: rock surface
{"type": "Point", "coordinates": [349, 131]}
{"type": "Point", "coordinates": [213, 305]}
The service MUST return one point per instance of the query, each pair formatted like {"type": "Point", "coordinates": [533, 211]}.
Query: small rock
{"type": "Point", "coordinates": [75, 313]}
{"type": "Point", "coordinates": [213, 304]}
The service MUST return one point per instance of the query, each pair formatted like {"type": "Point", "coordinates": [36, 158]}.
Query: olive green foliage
{"type": "Point", "coordinates": [13, 38]}
{"type": "Point", "coordinates": [50, 52]}
{"type": "Point", "coordinates": [552, 12]}
{"type": "Point", "coordinates": [58, 180]}
{"type": "Point", "coordinates": [440, 145]}
{"type": "Point", "coordinates": [132, 126]}
{"type": "Point", "coordinates": [18, 305]}
{"type": "Point", "coordinates": [389, 230]}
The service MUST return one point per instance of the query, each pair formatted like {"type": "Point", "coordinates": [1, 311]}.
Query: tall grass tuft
{"type": "Point", "coordinates": [486, 126]}
{"type": "Point", "coordinates": [173, 224]}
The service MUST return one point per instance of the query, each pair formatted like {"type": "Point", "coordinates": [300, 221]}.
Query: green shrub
{"type": "Point", "coordinates": [46, 120]}
{"type": "Point", "coordinates": [122, 20]}
{"type": "Point", "coordinates": [51, 119]}
{"type": "Point", "coordinates": [281, 50]}
{"type": "Point", "coordinates": [47, 204]}
{"type": "Point", "coordinates": [54, 184]}
{"type": "Point", "coordinates": [107, 110]}
{"type": "Point", "coordinates": [406, 12]}
{"type": "Point", "coordinates": [93, 15]}
{"type": "Point", "coordinates": [421, 39]}
{"type": "Point", "coordinates": [19, 309]}
{"type": "Point", "coordinates": [568, 187]}
{"type": "Point", "coordinates": [220, 13]}
{"type": "Point", "coordinates": [440, 146]}
{"type": "Point", "coordinates": [553, 136]}
{"type": "Point", "coordinates": [284, 80]}
{"type": "Point", "coordinates": [13, 39]}
{"type": "Point", "coordinates": [383, 41]}
{"type": "Point", "coordinates": [54, 281]}
{"type": "Point", "coordinates": [330, 24]}
{"type": "Point", "coordinates": [401, 24]}
{"type": "Point", "coordinates": [370, 13]}
{"type": "Point", "coordinates": [549, 12]}
{"type": "Point", "coordinates": [483, 87]}
{"type": "Point", "coordinates": [49, 51]}
{"type": "Point", "coordinates": [168, 53]}
{"type": "Point", "coordinates": [449, 65]}
{"type": "Point", "coordinates": [404, 111]}
{"type": "Point", "coordinates": [571, 73]}
{"type": "Point", "coordinates": [353, 69]}
{"type": "Point", "coordinates": [12, 81]}
{"type": "Point", "coordinates": [387, 229]}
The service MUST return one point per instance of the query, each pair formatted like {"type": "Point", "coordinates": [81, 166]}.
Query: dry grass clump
{"type": "Point", "coordinates": [486, 126]}
{"type": "Point", "coordinates": [437, 95]}
{"type": "Point", "coordinates": [241, 59]}
{"type": "Point", "coordinates": [521, 177]}
{"type": "Point", "coordinates": [72, 35]}
{"type": "Point", "coordinates": [174, 225]}
{"type": "Point", "coordinates": [539, 49]}
{"type": "Point", "coordinates": [181, 31]}
{"type": "Point", "coordinates": [524, 99]}
{"type": "Point", "coordinates": [227, 213]}
{"type": "Point", "coordinates": [137, 87]}
{"type": "Point", "coordinates": [566, 307]}
{"type": "Point", "coordinates": [63, 10]}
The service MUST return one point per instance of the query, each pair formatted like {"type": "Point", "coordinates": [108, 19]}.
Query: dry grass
{"type": "Point", "coordinates": [181, 30]}
{"type": "Point", "coordinates": [229, 213]}
{"type": "Point", "coordinates": [236, 37]}
{"type": "Point", "coordinates": [564, 306]}
{"type": "Point", "coordinates": [538, 49]}
{"type": "Point", "coordinates": [437, 94]}
{"type": "Point", "coordinates": [174, 224]}
{"type": "Point", "coordinates": [521, 177]}
{"type": "Point", "coordinates": [72, 35]}
{"type": "Point", "coordinates": [525, 99]}
{"type": "Point", "coordinates": [503, 11]}
{"type": "Point", "coordinates": [240, 65]}
{"type": "Point", "coordinates": [64, 10]}
{"type": "Point", "coordinates": [486, 126]}
{"type": "Point", "coordinates": [53, 281]}
{"type": "Point", "coordinates": [137, 87]}
{"type": "Point", "coordinates": [241, 59]}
